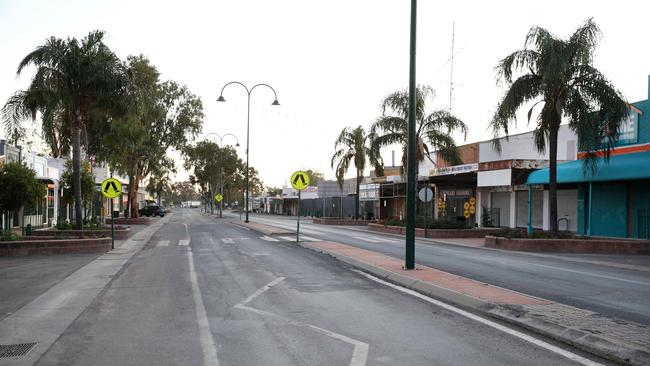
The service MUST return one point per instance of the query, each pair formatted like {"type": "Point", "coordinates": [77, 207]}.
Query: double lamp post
{"type": "Point", "coordinates": [248, 117]}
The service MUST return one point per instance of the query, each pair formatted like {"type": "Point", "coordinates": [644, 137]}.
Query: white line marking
{"type": "Point", "coordinates": [365, 238]}
{"type": "Point", "coordinates": [163, 243]}
{"type": "Point", "coordinates": [592, 274]}
{"type": "Point", "coordinates": [287, 238]}
{"type": "Point", "coordinates": [186, 229]}
{"type": "Point", "coordinates": [261, 290]}
{"type": "Point", "coordinates": [268, 238]}
{"type": "Point", "coordinates": [360, 352]}
{"type": "Point", "coordinates": [308, 238]}
{"type": "Point", "coordinates": [205, 335]}
{"type": "Point", "coordinates": [227, 241]}
{"type": "Point", "coordinates": [512, 332]}
{"type": "Point", "coordinates": [184, 242]}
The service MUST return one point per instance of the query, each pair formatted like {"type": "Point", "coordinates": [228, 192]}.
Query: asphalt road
{"type": "Point", "coordinates": [205, 292]}
{"type": "Point", "coordinates": [614, 285]}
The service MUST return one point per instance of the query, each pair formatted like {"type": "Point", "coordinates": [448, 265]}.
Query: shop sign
{"type": "Point", "coordinates": [456, 169]}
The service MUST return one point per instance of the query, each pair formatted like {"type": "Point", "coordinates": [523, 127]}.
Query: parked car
{"type": "Point", "coordinates": [152, 210]}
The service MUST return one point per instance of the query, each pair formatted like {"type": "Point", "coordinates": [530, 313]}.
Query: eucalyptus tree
{"type": "Point", "coordinates": [76, 85]}
{"type": "Point", "coordinates": [352, 147]}
{"type": "Point", "coordinates": [433, 131]}
{"type": "Point", "coordinates": [559, 75]}
{"type": "Point", "coordinates": [159, 116]}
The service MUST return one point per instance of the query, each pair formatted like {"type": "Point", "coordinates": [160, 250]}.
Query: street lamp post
{"type": "Point", "coordinates": [411, 180]}
{"type": "Point", "coordinates": [248, 117]}
{"type": "Point", "coordinates": [221, 165]}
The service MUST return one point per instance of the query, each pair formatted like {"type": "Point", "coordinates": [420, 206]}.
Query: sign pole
{"type": "Point", "coordinates": [298, 222]}
{"type": "Point", "coordinates": [112, 226]}
{"type": "Point", "coordinates": [426, 208]}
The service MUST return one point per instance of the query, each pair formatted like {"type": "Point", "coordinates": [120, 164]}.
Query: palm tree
{"type": "Point", "coordinates": [559, 75]}
{"type": "Point", "coordinates": [433, 131]}
{"type": "Point", "coordinates": [75, 86]}
{"type": "Point", "coordinates": [352, 146]}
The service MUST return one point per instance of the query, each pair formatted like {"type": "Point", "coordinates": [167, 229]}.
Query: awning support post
{"type": "Point", "coordinates": [589, 211]}
{"type": "Point", "coordinates": [529, 228]}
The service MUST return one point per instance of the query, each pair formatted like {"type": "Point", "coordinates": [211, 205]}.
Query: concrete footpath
{"type": "Point", "coordinates": [40, 322]}
{"type": "Point", "coordinates": [614, 339]}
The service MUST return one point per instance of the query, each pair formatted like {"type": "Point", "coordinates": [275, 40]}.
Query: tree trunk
{"type": "Point", "coordinates": [134, 196]}
{"type": "Point", "coordinates": [127, 212]}
{"type": "Point", "coordinates": [356, 204]}
{"type": "Point", "coordinates": [76, 175]}
{"type": "Point", "coordinates": [552, 191]}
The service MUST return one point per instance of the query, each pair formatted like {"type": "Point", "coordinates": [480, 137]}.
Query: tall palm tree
{"type": "Point", "coordinates": [352, 146]}
{"type": "Point", "coordinates": [76, 84]}
{"type": "Point", "coordinates": [559, 74]}
{"type": "Point", "coordinates": [433, 130]}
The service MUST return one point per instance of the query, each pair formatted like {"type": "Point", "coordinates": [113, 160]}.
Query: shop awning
{"type": "Point", "coordinates": [619, 167]}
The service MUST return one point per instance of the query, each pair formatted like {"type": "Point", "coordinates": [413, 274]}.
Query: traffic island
{"type": "Point", "coordinates": [262, 228]}
{"type": "Point", "coordinates": [435, 233]}
{"type": "Point", "coordinates": [570, 245]}
{"type": "Point", "coordinates": [617, 340]}
{"type": "Point", "coordinates": [340, 221]}
{"type": "Point", "coordinates": [35, 246]}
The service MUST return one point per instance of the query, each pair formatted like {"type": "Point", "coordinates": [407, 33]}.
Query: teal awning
{"type": "Point", "coordinates": [620, 167]}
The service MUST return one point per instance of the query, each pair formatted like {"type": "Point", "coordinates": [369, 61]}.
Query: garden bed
{"type": "Point", "coordinates": [435, 233]}
{"type": "Point", "coordinates": [121, 233]}
{"type": "Point", "coordinates": [570, 245]}
{"type": "Point", "coordinates": [340, 221]}
{"type": "Point", "coordinates": [57, 246]}
{"type": "Point", "coordinates": [130, 221]}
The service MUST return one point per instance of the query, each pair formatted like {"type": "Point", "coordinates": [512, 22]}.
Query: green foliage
{"type": "Point", "coordinates": [19, 187]}
{"type": "Point", "coordinates": [273, 191]}
{"type": "Point", "coordinates": [433, 131]}
{"type": "Point", "coordinates": [486, 219]}
{"type": "Point", "coordinates": [64, 225]}
{"type": "Point", "coordinates": [78, 86]}
{"type": "Point", "coordinates": [422, 222]}
{"type": "Point", "coordinates": [183, 192]}
{"type": "Point", "coordinates": [558, 76]}
{"type": "Point", "coordinates": [87, 183]}
{"type": "Point", "coordinates": [7, 235]}
{"type": "Point", "coordinates": [522, 234]}
{"type": "Point", "coordinates": [314, 177]}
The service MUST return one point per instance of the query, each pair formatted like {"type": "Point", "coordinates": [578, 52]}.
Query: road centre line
{"type": "Point", "coordinates": [537, 342]}
{"type": "Point", "coordinates": [360, 351]}
{"type": "Point", "coordinates": [205, 335]}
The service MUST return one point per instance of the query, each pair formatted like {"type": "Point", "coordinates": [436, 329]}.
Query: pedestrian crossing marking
{"type": "Point", "coordinates": [184, 242]}
{"type": "Point", "coordinates": [227, 241]}
{"type": "Point", "coordinates": [163, 243]}
{"type": "Point", "coordinates": [268, 238]}
{"type": "Point", "coordinates": [302, 238]}
{"type": "Point", "coordinates": [365, 238]}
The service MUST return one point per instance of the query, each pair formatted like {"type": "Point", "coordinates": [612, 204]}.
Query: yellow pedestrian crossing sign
{"type": "Point", "coordinates": [299, 180]}
{"type": "Point", "coordinates": [111, 188]}
{"type": "Point", "coordinates": [218, 197]}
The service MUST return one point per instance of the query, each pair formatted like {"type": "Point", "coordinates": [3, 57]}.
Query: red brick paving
{"type": "Point", "coordinates": [466, 286]}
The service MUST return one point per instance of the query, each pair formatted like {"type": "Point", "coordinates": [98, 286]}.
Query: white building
{"type": "Point", "coordinates": [502, 176]}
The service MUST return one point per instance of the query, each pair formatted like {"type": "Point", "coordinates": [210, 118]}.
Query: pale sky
{"type": "Point", "coordinates": [331, 62]}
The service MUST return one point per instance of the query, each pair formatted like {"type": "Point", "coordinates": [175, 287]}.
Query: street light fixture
{"type": "Point", "coordinates": [221, 165]}
{"type": "Point", "coordinates": [248, 118]}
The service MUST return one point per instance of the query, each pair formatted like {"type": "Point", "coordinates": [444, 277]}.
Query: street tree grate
{"type": "Point", "coordinates": [15, 350]}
